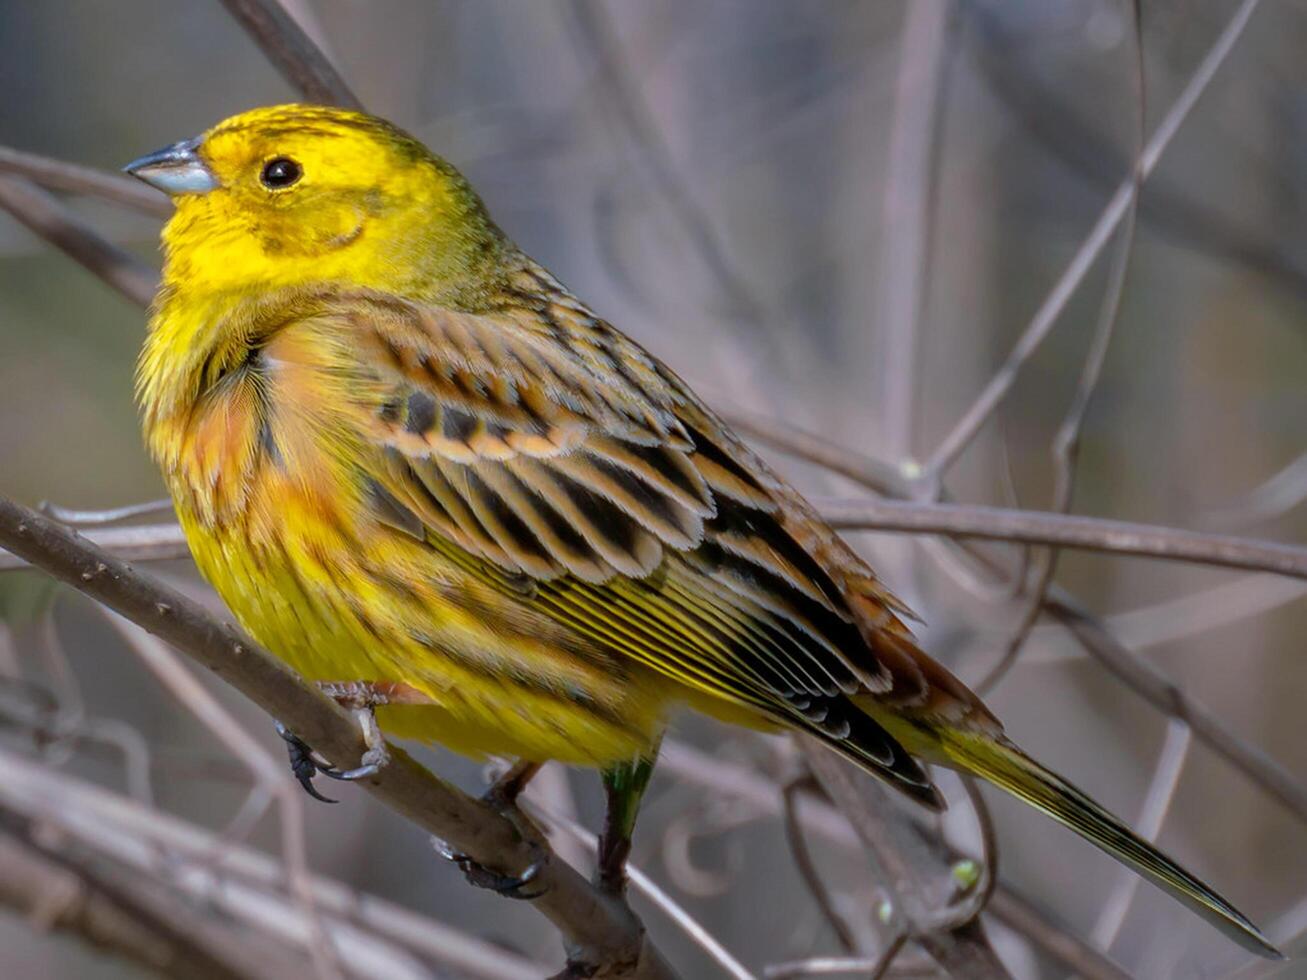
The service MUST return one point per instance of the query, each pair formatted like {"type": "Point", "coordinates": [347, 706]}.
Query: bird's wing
{"type": "Point", "coordinates": [553, 453]}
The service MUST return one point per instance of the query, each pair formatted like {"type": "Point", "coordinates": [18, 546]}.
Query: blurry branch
{"type": "Point", "coordinates": [1071, 531]}
{"type": "Point", "coordinates": [148, 542]}
{"type": "Point", "coordinates": [907, 214]}
{"type": "Point", "coordinates": [269, 778]}
{"type": "Point", "coordinates": [1163, 693]}
{"type": "Point", "coordinates": [46, 217]}
{"type": "Point", "coordinates": [121, 916]}
{"type": "Point", "coordinates": [1075, 141]}
{"type": "Point", "coordinates": [600, 933]}
{"type": "Point", "coordinates": [956, 941]}
{"type": "Point", "coordinates": [803, 859]}
{"type": "Point", "coordinates": [292, 52]}
{"type": "Point", "coordinates": [971, 422]}
{"type": "Point", "coordinates": [1273, 497]}
{"type": "Point", "coordinates": [1066, 442]}
{"type": "Point", "coordinates": [594, 31]}
{"type": "Point", "coordinates": [112, 515]}
{"type": "Point", "coordinates": [373, 937]}
{"type": "Point", "coordinates": [816, 814]}
{"type": "Point", "coordinates": [650, 889]}
{"type": "Point", "coordinates": [58, 175]}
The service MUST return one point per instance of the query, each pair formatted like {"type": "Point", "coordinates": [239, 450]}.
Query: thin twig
{"type": "Point", "coordinates": [599, 932]}
{"type": "Point", "coordinates": [906, 216]}
{"type": "Point", "coordinates": [125, 917]}
{"type": "Point", "coordinates": [716, 775]}
{"type": "Point", "coordinates": [642, 883]}
{"type": "Point", "coordinates": [60, 175]}
{"type": "Point", "coordinates": [803, 859]}
{"type": "Point", "coordinates": [246, 882]}
{"type": "Point", "coordinates": [1160, 691]}
{"type": "Point", "coordinates": [971, 422]}
{"type": "Point", "coordinates": [292, 52]}
{"type": "Point", "coordinates": [90, 518]}
{"type": "Point", "coordinates": [268, 776]}
{"type": "Point", "coordinates": [1070, 531]}
{"type": "Point", "coordinates": [1066, 443]}
{"type": "Point", "coordinates": [45, 216]}
{"type": "Point", "coordinates": [901, 858]}
{"type": "Point", "coordinates": [1274, 497]}
{"type": "Point", "coordinates": [594, 31]}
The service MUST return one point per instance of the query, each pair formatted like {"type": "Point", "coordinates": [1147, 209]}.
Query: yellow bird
{"type": "Point", "coordinates": [425, 474]}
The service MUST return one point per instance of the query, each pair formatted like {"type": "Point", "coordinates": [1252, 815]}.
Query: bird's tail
{"type": "Point", "coordinates": [1000, 762]}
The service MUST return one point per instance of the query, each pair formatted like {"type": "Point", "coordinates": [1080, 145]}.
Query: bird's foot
{"type": "Point", "coordinates": [304, 764]}
{"type": "Point", "coordinates": [502, 795]}
{"type": "Point", "coordinates": [479, 876]}
{"type": "Point", "coordinates": [361, 699]}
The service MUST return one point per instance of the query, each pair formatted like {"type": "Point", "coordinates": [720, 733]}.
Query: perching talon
{"type": "Point", "coordinates": [509, 886]}
{"type": "Point", "coordinates": [302, 763]}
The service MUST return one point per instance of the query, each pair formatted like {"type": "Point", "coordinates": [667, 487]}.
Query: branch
{"type": "Point", "coordinates": [117, 915]}
{"type": "Point", "coordinates": [710, 772]}
{"type": "Point", "coordinates": [1070, 531]}
{"type": "Point", "coordinates": [599, 932]}
{"type": "Point", "coordinates": [45, 216]}
{"type": "Point", "coordinates": [292, 52]}
{"type": "Point", "coordinates": [1113, 214]}
{"type": "Point", "coordinates": [901, 855]}
{"type": "Point", "coordinates": [216, 872]}
{"type": "Point", "coordinates": [60, 175]}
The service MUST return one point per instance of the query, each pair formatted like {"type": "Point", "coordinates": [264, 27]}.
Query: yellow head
{"type": "Point", "coordinates": [295, 195]}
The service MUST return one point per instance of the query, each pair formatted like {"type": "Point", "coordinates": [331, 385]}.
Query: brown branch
{"type": "Point", "coordinates": [1070, 531]}
{"type": "Point", "coordinates": [45, 216]}
{"type": "Point", "coordinates": [292, 52]}
{"type": "Point", "coordinates": [59, 175]}
{"type": "Point", "coordinates": [599, 932]}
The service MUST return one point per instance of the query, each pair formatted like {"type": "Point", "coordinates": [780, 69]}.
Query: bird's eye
{"type": "Point", "coordinates": [281, 172]}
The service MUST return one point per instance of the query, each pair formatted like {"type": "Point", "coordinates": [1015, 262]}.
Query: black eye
{"type": "Point", "coordinates": [281, 172]}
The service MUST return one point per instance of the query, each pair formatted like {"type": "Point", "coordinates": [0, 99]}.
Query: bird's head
{"type": "Point", "coordinates": [298, 194]}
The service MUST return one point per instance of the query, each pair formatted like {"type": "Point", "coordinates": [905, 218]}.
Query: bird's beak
{"type": "Point", "coordinates": [175, 169]}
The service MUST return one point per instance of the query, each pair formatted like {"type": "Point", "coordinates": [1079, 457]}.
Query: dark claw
{"type": "Point", "coordinates": [509, 886]}
{"type": "Point", "coordinates": [302, 763]}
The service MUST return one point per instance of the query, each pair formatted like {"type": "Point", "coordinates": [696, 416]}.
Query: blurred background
{"type": "Point", "coordinates": [834, 216]}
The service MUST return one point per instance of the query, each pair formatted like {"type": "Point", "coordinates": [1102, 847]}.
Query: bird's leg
{"type": "Point", "coordinates": [502, 795]}
{"type": "Point", "coordinates": [361, 698]}
{"type": "Point", "coordinates": [624, 785]}
{"type": "Point", "coordinates": [505, 790]}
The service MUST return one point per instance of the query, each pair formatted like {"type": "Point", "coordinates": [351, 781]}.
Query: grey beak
{"type": "Point", "coordinates": [175, 169]}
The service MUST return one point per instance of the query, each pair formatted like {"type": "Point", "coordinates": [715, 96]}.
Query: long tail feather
{"type": "Point", "coordinates": [1003, 764]}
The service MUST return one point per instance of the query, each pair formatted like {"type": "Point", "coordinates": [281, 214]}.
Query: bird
{"type": "Point", "coordinates": [430, 478]}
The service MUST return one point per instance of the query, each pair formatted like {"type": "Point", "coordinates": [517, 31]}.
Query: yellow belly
{"type": "Point", "coordinates": [352, 603]}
